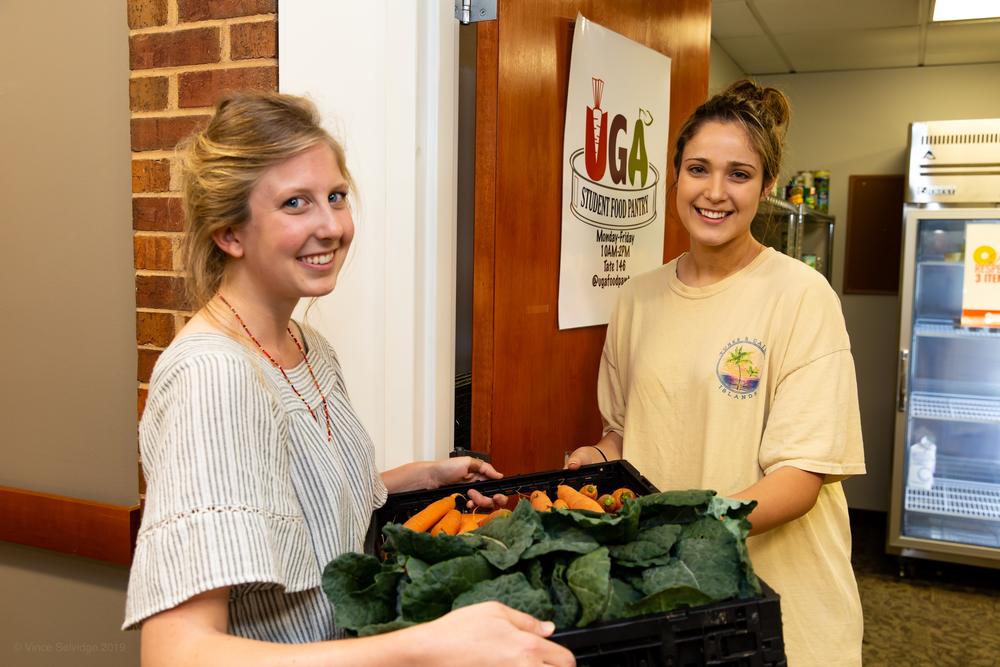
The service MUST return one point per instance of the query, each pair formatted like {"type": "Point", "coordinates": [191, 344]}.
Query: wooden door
{"type": "Point", "coordinates": [534, 387]}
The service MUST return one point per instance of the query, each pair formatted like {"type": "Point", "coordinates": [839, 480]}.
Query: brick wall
{"type": "Point", "coordinates": [183, 54]}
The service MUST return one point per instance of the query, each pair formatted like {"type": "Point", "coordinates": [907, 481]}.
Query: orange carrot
{"type": "Point", "coordinates": [496, 514]}
{"type": "Point", "coordinates": [449, 524]}
{"type": "Point", "coordinates": [541, 501]}
{"type": "Point", "coordinates": [576, 500]}
{"type": "Point", "coordinates": [560, 503]}
{"type": "Point", "coordinates": [470, 522]}
{"type": "Point", "coordinates": [621, 494]}
{"type": "Point", "coordinates": [589, 490]}
{"type": "Point", "coordinates": [608, 503]}
{"type": "Point", "coordinates": [428, 517]}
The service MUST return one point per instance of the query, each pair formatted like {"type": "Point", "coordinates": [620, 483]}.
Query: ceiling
{"type": "Point", "coordinates": [787, 36]}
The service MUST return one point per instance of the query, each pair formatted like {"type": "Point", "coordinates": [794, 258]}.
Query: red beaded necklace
{"type": "Point", "coordinates": [326, 408]}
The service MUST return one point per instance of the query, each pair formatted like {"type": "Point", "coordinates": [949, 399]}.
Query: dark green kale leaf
{"type": "Point", "coordinates": [431, 595]}
{"type": "Point", "coordinates": [562, 538]}
{"type": "Point", "coordinates": [650, 547]}
{"type": "Point", "coordinates": [362, 590]}
{"type": "Point", "coordinates": [675, 574]}
{"type": "Point", "coordinates": [622, 595]}
{"type": "Point", "coordinates": [566, 604]}
{"type": "Point", "coordinates": [667, 600]}
{"type": "Point", "coordinates": [733, 514]}
{"type": "Point", "coordinates": [534, 571]}
{"type": "Point", "coordinates": [710, 551]}
{"type": "Point", "coordinates": [673, 506]}
{"type": "Point", "coordinates": [604, 528]}
{"type": "Point", "coordinates": [589, 577]}
{"type": "Point", "coordinates": [513, 590]}
{"type": "Point", "coordinates": [427, 547]}
{"type": "Point", "coordinates": [505, 539]}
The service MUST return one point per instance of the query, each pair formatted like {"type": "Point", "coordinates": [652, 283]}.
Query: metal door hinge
{"type": "Point", "coordinates": [474, 11]}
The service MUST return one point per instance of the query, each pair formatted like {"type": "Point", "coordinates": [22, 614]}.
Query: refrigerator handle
{"type": "Point", "coordinates": [903, 370]}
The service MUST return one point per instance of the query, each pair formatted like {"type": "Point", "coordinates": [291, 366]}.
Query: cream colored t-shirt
{"type": "Point", "coordinates": [714, 387]}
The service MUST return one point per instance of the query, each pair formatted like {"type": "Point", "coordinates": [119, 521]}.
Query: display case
{"type": "Point", "coordinates": [796, 230]}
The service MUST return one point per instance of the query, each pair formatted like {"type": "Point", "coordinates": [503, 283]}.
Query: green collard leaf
{"type": "Point", "coordinates": [709, 550]}
{"type": "Point", "coordinates": [536, 574]}
{"type": "Point", "coordinates": [589, 577]}
{"type": "Point", "coordinates": [361, 589]}
{"type": "Point", "coordinates": [733, 508]}
{"type": "Point", "coordinates": [567, 607]}
{"type": "Point", "coordinates": [509, 537]}
{"type": "Point", "coordinates": [414, 567]}
{"type": "Point", "coordinates": [380, 628]}
{"type": "Point", "coordinates": [604, 528]}
{"type": "Point", "coordinates": [650, 547]}
{"type": "Point", "coordinates": [432, 594]}
{"type": "Point", "coordinates": [667, 600]}
{"type": "Point", "coordinates": [673, 506]}
{"type": "Point", "coordinates": [562, 538]}
{"type": "Point", "coordinates": [622, 595]}
{"type": "Point", "coordinates": [514, 590]}
{"type": "Point", "coordinates": [427, 547]}
{"type": "Point", "coordinates": [672, 575]}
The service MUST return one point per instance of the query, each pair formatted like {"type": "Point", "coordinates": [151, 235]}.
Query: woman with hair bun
{"type": "Point", "coordinates": [730, 368]}
{"type": "Point", "coordinates": [258, 470]}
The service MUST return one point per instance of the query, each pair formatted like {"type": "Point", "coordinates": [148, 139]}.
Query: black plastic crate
{"type": "Point", "coordinates": [607, 476]}
{"type": "Point", "coordinates": [733, 632]}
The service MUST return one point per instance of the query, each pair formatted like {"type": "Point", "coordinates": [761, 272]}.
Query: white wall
{"type": "Point", "coordinates": [384, 74]}
{"type": "Point", "coordinates": [855, 123]}
{"type": "Point", "coordinates": [722, 70]}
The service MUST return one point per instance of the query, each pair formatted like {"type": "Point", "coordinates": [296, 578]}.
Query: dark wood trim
{"type": "Point", "coordinates": [484, 230]}
{"type": "Point", "coordinates": [69, 525]}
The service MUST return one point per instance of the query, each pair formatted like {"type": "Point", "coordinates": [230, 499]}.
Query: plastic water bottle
{"type": "Point", "coordinates": [923, 459]}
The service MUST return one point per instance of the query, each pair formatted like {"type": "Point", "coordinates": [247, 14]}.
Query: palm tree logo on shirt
{"type": "Point", "coordinates": [739, 366]}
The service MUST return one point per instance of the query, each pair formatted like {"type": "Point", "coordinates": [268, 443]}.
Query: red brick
{"type": "Point", "coordinates": [202, 89]}
{"type": "Point", "coordinates": [147, 359]}
{"type": "Point", "coordinates": [141, 402]}
{"type": "Point", "coordinates": [157, 214]}
{"type": "Point", "coordinates": [146, 13]}
{"type": "Point", "coordinates": [155, 329]}
{"type": "Point", "coordinates": [174, 49]}
{"type": "Point", "coordinates": [153, 253]}
{"type": "Point", "coordinates": [150, 134]}
{"type": "Point", "coordinates": [148, 93]}
{"type": "Point", "coordinates": [253, 40]}
{"type": "Point", "coordinates": [201, 10]}
{"type": "Point", "coordinates": [150, 175]}
{"type": "Point", "coordinates": [160, 292]}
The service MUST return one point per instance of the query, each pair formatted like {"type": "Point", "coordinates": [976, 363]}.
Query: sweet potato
{"type": "Point", "coordinates": [576, 500]}
{"type": "Point", "coordinates": [428, 517]}
{"type": "Point", "coordinates": [449, 523]}
{"type": "Point", "coordinates": [541, 501]}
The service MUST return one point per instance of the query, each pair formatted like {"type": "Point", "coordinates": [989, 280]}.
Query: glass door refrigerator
{"type": "Point", "coordinates": [945, 502]}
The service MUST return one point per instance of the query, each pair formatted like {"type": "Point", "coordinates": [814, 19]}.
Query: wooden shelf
{"type": "Point", "coordinates": [69, 525]}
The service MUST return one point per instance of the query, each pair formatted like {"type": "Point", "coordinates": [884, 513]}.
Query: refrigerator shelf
{"type": "Point", "coordinates": [956, 498]}
{"type": "Point", "coordinates": [954, 407]}
{"type": "Point", "coordinates": [950, 329]}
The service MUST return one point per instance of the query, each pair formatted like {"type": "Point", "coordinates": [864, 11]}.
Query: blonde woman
{"type": "Point", "coordinates": [258, 469]}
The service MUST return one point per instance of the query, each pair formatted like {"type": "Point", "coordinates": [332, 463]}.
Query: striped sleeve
{"type": "Point", "coordinates": [220, 508]}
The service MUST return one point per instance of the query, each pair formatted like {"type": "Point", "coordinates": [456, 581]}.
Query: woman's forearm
{"type": "Point", "coordinates": [783, 496]}
{"type": "Point", "coordinates": [409, 477]}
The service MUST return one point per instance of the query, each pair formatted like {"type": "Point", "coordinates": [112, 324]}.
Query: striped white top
{"type": "Point", "coordinates": [243, 489]}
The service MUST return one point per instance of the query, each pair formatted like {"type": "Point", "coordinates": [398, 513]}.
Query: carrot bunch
{"type": "Point", "coordinates": [441, 516]}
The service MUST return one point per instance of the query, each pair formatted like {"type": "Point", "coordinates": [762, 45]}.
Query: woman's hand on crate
{"type": "Point", "coordinates": [489, 634]}
{"type": "Point", "coordinates": [435, 474]}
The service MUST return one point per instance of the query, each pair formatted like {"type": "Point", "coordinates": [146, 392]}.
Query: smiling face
{"type": "Point", "coordinates": [719, 185]}
{"type": "Point", "coordinates": [299, 230]}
